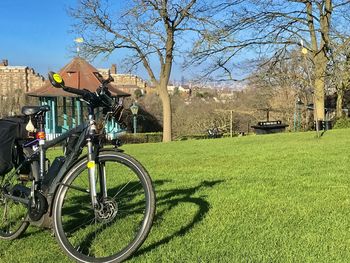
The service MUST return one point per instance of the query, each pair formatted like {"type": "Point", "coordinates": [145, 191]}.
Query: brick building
{"type": "Point", "coordinates": [128, 83]}
{"type": "Point", "coordinates": [18, 78]}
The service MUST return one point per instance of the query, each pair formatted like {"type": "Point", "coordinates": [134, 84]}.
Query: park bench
{"type": "Point", "coordinates": [266, 127]}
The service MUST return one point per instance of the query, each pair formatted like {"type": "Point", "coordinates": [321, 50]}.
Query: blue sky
{"type": "Point", "coordinates": [35, 33]}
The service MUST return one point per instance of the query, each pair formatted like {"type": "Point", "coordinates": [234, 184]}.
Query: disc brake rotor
{"type": "Point", "coordinates": [107, 211]}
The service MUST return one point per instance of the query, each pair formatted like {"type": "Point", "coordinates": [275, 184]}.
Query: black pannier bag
{"type": "Point", "coordinates": [12, 131]}
{"type": "Point", "coordinates": [21, 122]}
{"type": "Point", "coordinates": [7, 145]}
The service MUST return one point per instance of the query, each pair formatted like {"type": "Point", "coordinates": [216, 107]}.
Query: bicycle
{"type": "Point", "coordinates": [100, 206]}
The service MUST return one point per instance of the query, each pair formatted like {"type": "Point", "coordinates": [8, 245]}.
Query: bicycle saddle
{"type": "Point", "coordinates": [30, 110]}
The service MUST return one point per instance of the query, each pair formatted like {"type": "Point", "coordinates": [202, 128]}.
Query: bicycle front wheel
{"type": "Point", "coordinates": [116, 228]}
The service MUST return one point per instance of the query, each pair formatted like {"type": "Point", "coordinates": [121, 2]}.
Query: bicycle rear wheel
{"type": "Point", "coordinates": [119, 225]}
{"type": "Point", "coordinates": [13, 214]}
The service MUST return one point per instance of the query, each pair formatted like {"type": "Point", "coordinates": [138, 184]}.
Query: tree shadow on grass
{"type": "Point", "coordinates": [169, 199]}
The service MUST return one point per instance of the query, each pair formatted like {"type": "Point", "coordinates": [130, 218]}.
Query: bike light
{"type": "Point", "coordinates": [40, 135]}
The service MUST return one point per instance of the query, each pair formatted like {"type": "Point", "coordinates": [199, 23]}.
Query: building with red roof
{"type": "Point", "coordinates": [67, 110]}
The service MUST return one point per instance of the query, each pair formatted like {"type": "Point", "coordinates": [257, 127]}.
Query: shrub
{"type": "Point", "coordinates": [141, 137]}
{"type": "Point", "coordinates": [191, 137]}
{"type": "Point", "coordinates": [342, 123]}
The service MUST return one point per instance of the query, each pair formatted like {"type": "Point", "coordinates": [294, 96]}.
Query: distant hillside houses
{"type": "Point", "coordinates": [181, 89]}
{"type": "Point", "coordinates": [25, 79]}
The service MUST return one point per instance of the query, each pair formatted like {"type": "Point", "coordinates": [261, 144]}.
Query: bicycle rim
{"type": "Point", "coordinates": [118, 227]}
{"type": "Point", "coordinates": [13, 214]}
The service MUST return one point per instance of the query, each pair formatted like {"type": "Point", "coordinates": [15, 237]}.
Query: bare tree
{"type": "Point", "coordinates": [277, 85]}
{"type": "Point", "coordinates": [339, 72]}
{"type": "Point", "coordinates": [152, 31]}
{"type": "Point", "coordinates": [272, 27]}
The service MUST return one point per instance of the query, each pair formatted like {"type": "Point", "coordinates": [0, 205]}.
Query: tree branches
{"type": "Point", "coordinates": [149, 29]}
{"type": "Point", "coordinates": [273, 24]}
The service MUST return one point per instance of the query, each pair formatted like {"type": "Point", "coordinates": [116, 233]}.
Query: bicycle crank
{"type": "Point", "coordinates": [39, 208]}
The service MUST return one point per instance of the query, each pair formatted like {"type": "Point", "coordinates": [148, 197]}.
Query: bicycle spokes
{"type": "Point", "coordinates": [117, 220]}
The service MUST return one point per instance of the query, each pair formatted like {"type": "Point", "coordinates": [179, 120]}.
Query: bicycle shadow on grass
{"type": "Point", "coordinates": [166, 201]}
{"type": "Point", "coordinates": [170, 199]}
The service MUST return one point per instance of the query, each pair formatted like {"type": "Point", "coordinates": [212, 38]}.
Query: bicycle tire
{"type": "Point", "coordinates": [13, 216]}
{"type": "Point", "coordinates": [131, 199]}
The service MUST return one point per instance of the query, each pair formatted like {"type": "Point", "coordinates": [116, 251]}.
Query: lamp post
{"type": "Point", "coordinates": [297, 114]}
{"type": "Point", "coordinates": [134, 110]}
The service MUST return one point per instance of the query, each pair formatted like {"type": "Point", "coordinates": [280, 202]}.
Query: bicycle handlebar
{"type": "Point", "coordinates": [80, 92]}
{"type": "Point", "coordinates": [101, 98]}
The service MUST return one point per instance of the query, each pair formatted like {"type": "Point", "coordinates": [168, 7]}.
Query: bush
{"type": "Point", "coordinates": [141, 137]}
{"type": "Point", "coordinates": [191, 137]}
{"type": "Point", "coordinates": [201, 137]}
{"type": "Point", "coordinates": [342, 123]}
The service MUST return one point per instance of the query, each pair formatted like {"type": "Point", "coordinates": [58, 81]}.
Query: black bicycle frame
{"type": "Point", "coordinates": [87, 132]}
{"type": "Point", "coordinates": [72, 157]}
{"type": "Point", "coordinates": [49, 186]}
{"type": "Point", "coordinates": [48, 181]}
{"type": "Point", "coordinates": [37, 163]}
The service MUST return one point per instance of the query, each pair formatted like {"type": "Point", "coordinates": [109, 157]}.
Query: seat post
{"type": "Point", "coordinates": [41, 121]}
{"type": "Point", "coordinates": [41, 136]}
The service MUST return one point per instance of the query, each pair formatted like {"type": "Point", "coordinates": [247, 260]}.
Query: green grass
{"type": "Point", "coordinates": [271, 198]}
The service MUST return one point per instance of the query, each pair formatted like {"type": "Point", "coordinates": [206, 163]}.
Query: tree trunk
{"type": "Point", "coordinates": [164, 96]}
{"type": "Point", "coordinates": [319, 99]}
{"type": "Point", "coordinates": [320, 70]}
{"type": "Point", "coordinates": [339, 107]}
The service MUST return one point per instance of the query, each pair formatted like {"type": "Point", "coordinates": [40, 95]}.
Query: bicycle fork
{"type": "Point", "coordinates": [101, 175]}
{"type": "Point", "coordinates": [91, 165]}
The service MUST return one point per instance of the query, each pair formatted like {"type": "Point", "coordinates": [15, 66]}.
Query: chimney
{"type": "Point", "coordinates": [113, 69]}
{"type": "Point", "coordinates": [4, 62]}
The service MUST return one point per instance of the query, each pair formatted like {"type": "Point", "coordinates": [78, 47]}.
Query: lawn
{"type": "Point", "coordinates": [271, 198]}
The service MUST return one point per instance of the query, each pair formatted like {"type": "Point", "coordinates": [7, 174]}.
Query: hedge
{"type": "Point", "coordinates": [153, 137]}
